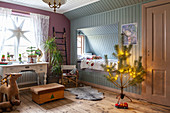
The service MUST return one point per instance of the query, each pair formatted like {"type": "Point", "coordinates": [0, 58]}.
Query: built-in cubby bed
{"type": "Point", "coordinates": [96, 78]}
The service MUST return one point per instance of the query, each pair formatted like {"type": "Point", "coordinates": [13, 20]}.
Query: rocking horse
{"type": "Point", "coordinates": [10, 90]}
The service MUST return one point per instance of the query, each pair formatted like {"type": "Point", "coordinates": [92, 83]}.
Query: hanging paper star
{"type": "Point", "coordinates": [18, 32]}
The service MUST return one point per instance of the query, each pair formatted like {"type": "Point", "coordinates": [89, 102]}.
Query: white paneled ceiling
{"type": "Point", "coordinates": [39, 4]}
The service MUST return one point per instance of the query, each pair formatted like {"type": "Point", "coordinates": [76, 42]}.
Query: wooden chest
{"type": "Point", "coordinates": [45, 93]}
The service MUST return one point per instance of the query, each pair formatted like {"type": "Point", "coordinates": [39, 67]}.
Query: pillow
{"type": "Point", "coordinates": [72, 72]}
{"type": "Point", "coordinates": [88, 55]}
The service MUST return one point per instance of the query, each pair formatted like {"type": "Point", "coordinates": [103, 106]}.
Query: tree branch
{"type": "Point", "coordinates": [116, 84]}
{"type": "Point", "coordinates": [126, 81]}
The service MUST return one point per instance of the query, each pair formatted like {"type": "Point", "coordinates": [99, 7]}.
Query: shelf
{"type": "Point", "coordinates": [64, 56]}
{"type": "Point", "coordinates": [60, 32]}
{"type": "Point", "coordinates": [62, 50]}
{"type": "Point", "coordinates": [59, 38]}
{"type": "Point", "coordinates": [60, 44]}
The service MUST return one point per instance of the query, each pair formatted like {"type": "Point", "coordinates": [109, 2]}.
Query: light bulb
{"type": "Point", "coordinates": [121, 53]}
{"type": "Point", "coordinates": [121, 70]}
{"type": "Point", "coordinates": [126, 53]}
{"type": "Point", "coordinates": [130, 70]}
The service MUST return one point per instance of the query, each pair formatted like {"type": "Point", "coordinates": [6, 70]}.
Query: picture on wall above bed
{"type": "Point", "coordinates": [130, 31]}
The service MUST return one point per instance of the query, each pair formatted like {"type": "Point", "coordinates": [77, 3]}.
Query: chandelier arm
{"type": "Point", "coordinates": [51, 6]}
{"type": "Point", "coordinates": [59, 5]}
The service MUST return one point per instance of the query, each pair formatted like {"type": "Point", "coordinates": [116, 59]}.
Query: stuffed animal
{"type": "Point", "coordinates": [10, 90]}
{"type": "Point", "coordinates": [7, 106]}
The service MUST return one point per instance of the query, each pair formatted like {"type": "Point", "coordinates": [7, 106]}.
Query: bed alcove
{"type": "Point", "coordinates": [100, 41]}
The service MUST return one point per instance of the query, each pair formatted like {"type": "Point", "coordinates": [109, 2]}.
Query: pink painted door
{"type": "Point", "coordinates": [158, 54]}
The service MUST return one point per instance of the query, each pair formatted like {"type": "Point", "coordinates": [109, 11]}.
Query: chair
{"type": "Point", "coordinates": [71, 76]}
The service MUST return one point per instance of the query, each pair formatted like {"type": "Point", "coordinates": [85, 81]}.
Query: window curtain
{"type": "Point", "coordinates": [41, 27]}
{"type": "Point", "coordinates": [4, 15]}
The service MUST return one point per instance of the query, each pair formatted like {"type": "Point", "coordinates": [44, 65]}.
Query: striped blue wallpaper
{"type": "Point", "coordinates": [103, 44]}
{"type": "Point", "coordinates": [129, 14]}
{"type": "Point", "coordinates": [124, 15]}
{"type": "Point", "coordinates": [97, 77]}
{"type": "Point", "coordinates": [101, 40]}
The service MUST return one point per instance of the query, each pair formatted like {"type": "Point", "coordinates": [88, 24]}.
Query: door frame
{"type": "Point", "coordinates": [144, 38]}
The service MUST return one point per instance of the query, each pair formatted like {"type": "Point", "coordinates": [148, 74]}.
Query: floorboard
{"type": "Point", "coordinates": [71, 105]}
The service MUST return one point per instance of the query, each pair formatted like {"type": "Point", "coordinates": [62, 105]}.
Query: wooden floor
{"type": "Point", "coordinates": [71, 105]}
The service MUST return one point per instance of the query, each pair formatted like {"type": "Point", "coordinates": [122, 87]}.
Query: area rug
{"type": "Point", "coordinates": [86, 93]}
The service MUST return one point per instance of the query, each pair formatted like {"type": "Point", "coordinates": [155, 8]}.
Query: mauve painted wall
{"type": "Point", "coordinates": [59, 21]}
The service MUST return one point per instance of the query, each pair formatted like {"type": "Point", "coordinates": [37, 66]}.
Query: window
{"type": "Point", "coordinates": [18, 35]}
{"type": "Point", "coordinates": [80, 45]}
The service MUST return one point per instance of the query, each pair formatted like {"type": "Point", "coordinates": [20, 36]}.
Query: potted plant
{"type": "Point", "coordinates": [55, 59]}
{"type": "Point", "coordinates": [32, 56]}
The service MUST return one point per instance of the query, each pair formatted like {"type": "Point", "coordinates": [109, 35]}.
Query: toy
{"type": "Point", "coordinates": [10, 90]}
{"type": "Point", "coordinates": [3, 58]}
{"type": "Point", "coordinates": [7, 106]}
{"type": "Point", "coordinates": [8, 56]}
{"type": "Point", "coordinates": [20, 59]}
{"type": "Point", "coordinates": [32, 57]}
{"type": "Point", "coordinates": [12, 57]}
{"type": "Point", "coordinates": [121, 105]}
{"type": "Point", "coordinates": [96, 57]}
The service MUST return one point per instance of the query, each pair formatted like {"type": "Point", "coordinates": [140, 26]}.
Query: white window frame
{"type": "Point", "coordinates": [82, 44]}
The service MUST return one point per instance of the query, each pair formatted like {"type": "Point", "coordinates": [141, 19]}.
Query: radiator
{"type": "Point", "coordinates": [29, 77]}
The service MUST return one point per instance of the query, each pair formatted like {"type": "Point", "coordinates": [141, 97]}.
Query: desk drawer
{"type": "Point", "coordinates": [11, 70]}
{"type": "Point", "coordinates": [28, 68]}
{"type": "Point", "coordinates": [42, 68]}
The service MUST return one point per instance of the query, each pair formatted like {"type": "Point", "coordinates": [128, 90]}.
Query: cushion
{"type": "Point", "coordinates": [47, 88]}
{"type": "Point", "coordinates": [72, 72]}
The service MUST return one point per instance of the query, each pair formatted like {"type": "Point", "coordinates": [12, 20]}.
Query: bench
{"type": "Point", "coordinates": [49, 92]}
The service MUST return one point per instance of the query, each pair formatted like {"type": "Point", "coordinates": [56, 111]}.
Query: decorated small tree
{"type": "Point", "coordinates": [134, 73]}
{"type": "Point", "coordinates": [31, 54]}
{"type": "Point", "coordinates": [31, 50]}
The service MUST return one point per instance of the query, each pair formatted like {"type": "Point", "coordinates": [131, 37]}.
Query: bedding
{"type": "Point", "coordinates": [85, 56]}
{"type": "Point", "coordinates": [95, 64]}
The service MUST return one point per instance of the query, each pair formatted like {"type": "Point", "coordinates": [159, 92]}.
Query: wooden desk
{"type": "Point", "coordinates": [40, 67]}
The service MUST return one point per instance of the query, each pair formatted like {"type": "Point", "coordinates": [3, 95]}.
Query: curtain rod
{"type": "Point", "coordinates": [24, 12]}
{"type": "Point", "coordinates": [20, 11]}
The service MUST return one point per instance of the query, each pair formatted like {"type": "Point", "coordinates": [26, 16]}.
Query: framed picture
{"type": "Point", "coordinates": [130, 31]}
